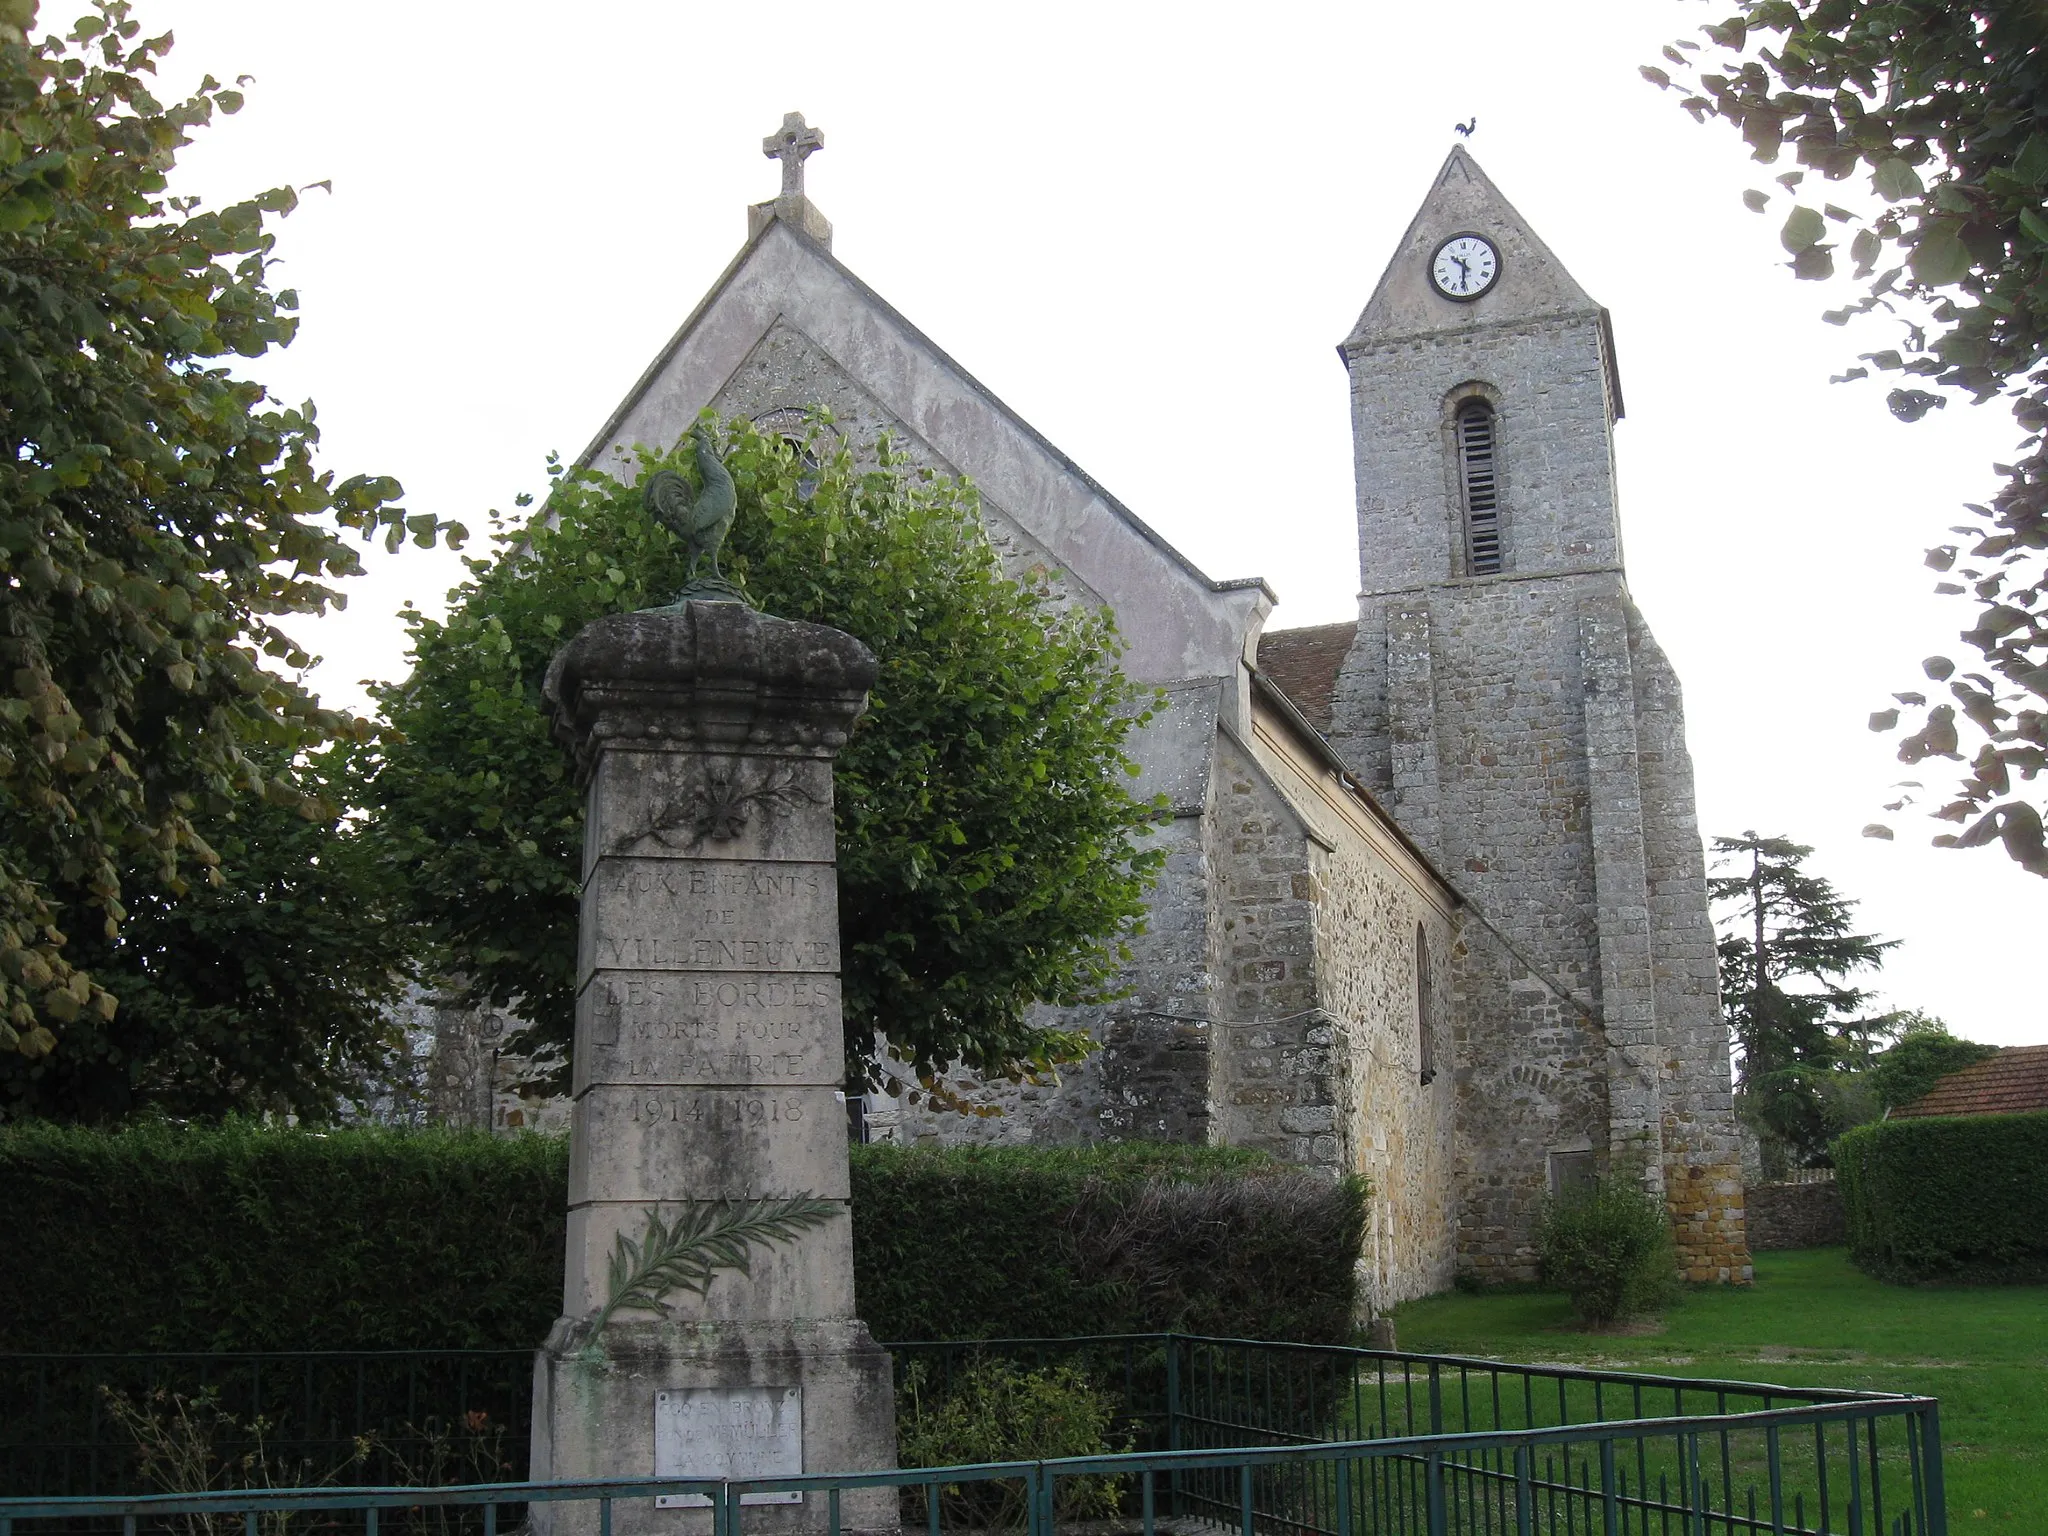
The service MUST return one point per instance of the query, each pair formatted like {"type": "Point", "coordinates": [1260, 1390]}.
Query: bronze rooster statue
{"type": "Point", "coordinates": [700, 518]}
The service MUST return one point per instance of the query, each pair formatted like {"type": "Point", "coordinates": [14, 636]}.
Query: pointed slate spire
{"type": "Point", "coordinates": [1532, 281]}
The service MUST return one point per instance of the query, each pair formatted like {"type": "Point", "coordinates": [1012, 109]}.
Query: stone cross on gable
{"type": "Point", "coordinates": [793, 143]}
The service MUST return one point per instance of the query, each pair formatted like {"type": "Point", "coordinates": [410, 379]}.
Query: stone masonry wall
{"type": "Point", "coordinates": [1547, 380]}
{"type": "Point", "coordinates": [1397, 1130]}
{"type": "Point", "coordinates": [1490, 775]}
{"type": "Point", "coordinates": [1377, 914]}
{"type": "Point", "coordinates": [1809, 1215]}
{"type": "Point", "coordinates": [1275, 1079]}
{"type": "Point", "coordinates": [1149, 1081]}
{"type": "Point", "coordinates": [1531, 1090]}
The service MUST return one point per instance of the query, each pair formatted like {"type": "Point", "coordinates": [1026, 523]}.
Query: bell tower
{"type": "Point", "coordinates": [1507, 701]}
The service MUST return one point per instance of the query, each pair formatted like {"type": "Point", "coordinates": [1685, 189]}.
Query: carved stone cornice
{"type": "Point", "coordinates": [710, 677]}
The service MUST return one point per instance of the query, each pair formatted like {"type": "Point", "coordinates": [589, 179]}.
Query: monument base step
{"type": "Point", "coordinates": [717, 1399]}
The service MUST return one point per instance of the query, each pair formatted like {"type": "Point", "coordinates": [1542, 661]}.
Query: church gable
{"type": "Point", "coordinates": [787, 286]}
{"type": "Point", "coordinates": [788, 366]}
{"type": "Point", "coordinates": [1532, 283]}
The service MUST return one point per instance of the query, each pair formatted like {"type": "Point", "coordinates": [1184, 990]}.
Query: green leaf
{"type": "Point", "coordinates": [1754, 200]}
{"type": "Point", "coordinates": [1814, 263]}
{"type": "Point", "coordinates": [2031, 164]}
{"type": "Point", "coordinates": [1895, 180]}
{"type": "Point", "coordinates": [1803, 228]}
{"type": "Point", "coordinates": [2034, 225]}
{"type": "Point", "coordinates": [1939, 256]}
{"type": "Point", "coordinates": [24, 206]}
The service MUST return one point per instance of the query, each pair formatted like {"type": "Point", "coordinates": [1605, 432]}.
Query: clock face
{"type": "Point", "coordinates": [1464, 267]}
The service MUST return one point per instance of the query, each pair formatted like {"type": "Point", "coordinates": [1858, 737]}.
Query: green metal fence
{"type": "Point", "coordinates": [1589, 1447]}
{"type": "Point", "coordinates": [1266, 1440]}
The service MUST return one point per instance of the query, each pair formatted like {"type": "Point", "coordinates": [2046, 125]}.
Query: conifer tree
{"type": "Point", "coordinates": [1788, 946]}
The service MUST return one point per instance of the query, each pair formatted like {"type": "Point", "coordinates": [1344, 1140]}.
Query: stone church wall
{"type": "Point", "coordinates": [1150, 1079]}
{"type": "Point", "coordinates": [1399, 1132]}
{"type": "Point", "coordinates": [1528, 735]}
{"type": "Point", "coordinates": [1335, 921]}
{"type": "Point", "coordinates": [1382, 991]}
{"type": "Point", "coordinates": [1532, 1101]}
{"type": "Point", "coordinates": [1275, 1082]}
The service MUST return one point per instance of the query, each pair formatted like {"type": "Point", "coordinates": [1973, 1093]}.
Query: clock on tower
{"type": "Point", "coordinates": [1464, 266]}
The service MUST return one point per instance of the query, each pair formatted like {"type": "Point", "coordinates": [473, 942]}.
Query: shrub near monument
{"type": "Point", "coordinates": [238, 1237]}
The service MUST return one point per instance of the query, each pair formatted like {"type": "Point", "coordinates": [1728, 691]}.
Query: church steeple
{"type": "Point", "coordinates": [1510, 705]}
{"type": "Point", "coordinates": [1484, 397]}
{"type": "Point", "coordinates": [1531, 282]}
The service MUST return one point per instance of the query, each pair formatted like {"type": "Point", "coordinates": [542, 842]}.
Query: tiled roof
{"type": "Point", "coordinates": [1303, 663]}
{"type": "Point", "coordinates": [2010, 1083]}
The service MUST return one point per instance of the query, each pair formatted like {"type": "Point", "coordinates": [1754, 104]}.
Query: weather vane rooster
{"type": "Point", "coordinates": [700, 518]}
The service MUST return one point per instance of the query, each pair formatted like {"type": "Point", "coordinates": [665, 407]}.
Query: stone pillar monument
{"type": "Point", "coordinates": [709, 1078]}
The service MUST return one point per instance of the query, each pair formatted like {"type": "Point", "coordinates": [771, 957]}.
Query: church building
{"type": "Point", "coordinates": [1434, 910]}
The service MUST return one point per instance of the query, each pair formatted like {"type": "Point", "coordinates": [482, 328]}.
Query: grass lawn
{"type": "Point", "coordinates": [1813, 1320]}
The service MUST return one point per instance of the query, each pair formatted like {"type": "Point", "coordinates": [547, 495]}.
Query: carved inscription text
{"type": "Point", "coordinates": [745, 1109]}
{"type": "Point", "coordinates": [742, 1029]}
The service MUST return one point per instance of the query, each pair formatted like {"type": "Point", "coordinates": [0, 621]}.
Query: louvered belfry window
{"type": "Point", "coordinates": [1480, 475]}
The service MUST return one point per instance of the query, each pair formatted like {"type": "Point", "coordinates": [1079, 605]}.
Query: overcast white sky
{"type": "Point", "coordinates": [1145, 227]}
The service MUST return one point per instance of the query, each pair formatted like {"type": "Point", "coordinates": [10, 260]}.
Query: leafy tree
{"type": "Point", "coordinates": [989, 854]}
{"type": "Point", "coordinates": [1921, 1058]}
{"type": "Point", "coordinates": [1787, 944]}
{"type": "Point", "coordinates": [158, 517]}
{"type": "Point", "coordinates": [1944, 107]}
{"type": "Point", "coordinates": [266, 993]}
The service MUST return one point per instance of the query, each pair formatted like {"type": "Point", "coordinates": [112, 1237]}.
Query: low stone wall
{"type": "Point", "coordinates": [1803, 1215]}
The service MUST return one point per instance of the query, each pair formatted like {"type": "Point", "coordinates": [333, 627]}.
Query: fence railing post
{"type": "Point", "coordinates": [1173, 1481]}
{"type": "Point", "coordinates": [1935, 1519]}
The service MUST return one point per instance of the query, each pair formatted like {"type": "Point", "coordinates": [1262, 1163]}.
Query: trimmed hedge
{"type": "Point", "coordinates": [973, 1242]}
{"type": "Point", "coordinates": [243, 1238]}
{"type": "Point", "coordinates": [1961, 1198]}
{"type": "Point", "coordinates": [168, 1237]}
